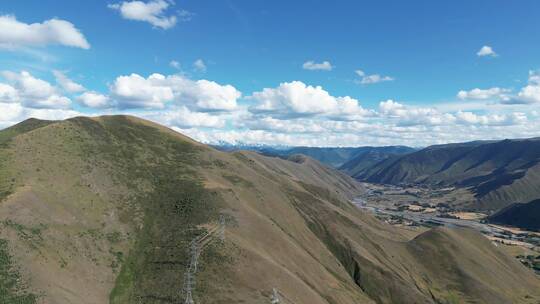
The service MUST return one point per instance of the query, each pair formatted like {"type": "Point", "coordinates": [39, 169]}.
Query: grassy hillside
{"type": "Point", "coordinates": [498, 173]}
{"type": "Point", "coordinates": [99, 210]}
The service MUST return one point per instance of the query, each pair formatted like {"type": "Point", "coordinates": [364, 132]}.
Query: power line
{"type": "Point", "coordinates": [194, 251]}
{"type": "Point", "coordinates": [222, 227]}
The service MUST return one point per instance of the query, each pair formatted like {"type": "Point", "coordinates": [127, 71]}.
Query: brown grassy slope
{"type": "Point", "coordinates": [379, 258]}
{"type": "Point", "coordinates": [467, 267]}
{"type": "Point", "coordinates": [117, 199]}
{"type": "Point", "coordinates": [71, 201]}
{"type": "Point", "coordinates": [90, 212]}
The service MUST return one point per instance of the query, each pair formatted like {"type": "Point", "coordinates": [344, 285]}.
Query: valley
{"type": "Point", "coordinates": [490, 174]}
{"type": "Point", "coordinates": [420, 208]}
{"type": "Point", "coordinates": [481, 185]}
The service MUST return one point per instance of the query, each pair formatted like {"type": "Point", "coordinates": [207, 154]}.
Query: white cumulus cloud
{"type": "Point", "coordinates": [486, 50]}
{"type": "Point", "coordinates": [527, 95]}
{"type": "Point", "coordinates": [491, 119]}
{"type": "Point", "coordinates": [135, 91]}
{"type": "Point", "coordinates": [14, 33]}
{"type": "Point", "coordinates": [403, 115]}
{"type": "Point", "coordinates": [531, 92]}
{"type": "Point", "coordinates": [8, 94]}
{"type": "Point", "coordinates": [292, 113]}
{"type": "Point", "coordinates": [182, 117]}
{"type": "Point", "coordinates": [93, 99]}
{"type": "Point", "coordinates": [208, 95]}
{"type": "Point", "coordinates": [33, 92]}
{"type": "Point", "coordinates": [298, 99]}
{"type": "Point", "coordinates": [483, 94]}
{"type": "Point", "coordinates": [153, 12]}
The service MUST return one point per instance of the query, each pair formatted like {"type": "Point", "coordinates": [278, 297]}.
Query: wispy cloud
{"type": "Point", "coordinates": [317, 66]}
{"type": "Point", "coordinates": [66, 83]}
{"type": "Point", "coordinates": [371, 79]}
{"type": "Point", "coordinates": [199, 66]}
{"type": "Point", "coordinates": [175, 64]}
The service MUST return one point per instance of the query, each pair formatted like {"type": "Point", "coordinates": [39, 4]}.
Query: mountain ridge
{"type": "Point", "coordinates": [108, 206]}
{"type": "Point", "coordinates": [332, 156]}
{"type": "Point", "coordinates": [498, 173]}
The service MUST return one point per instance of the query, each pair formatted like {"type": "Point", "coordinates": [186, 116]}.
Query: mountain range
{"type": "Point", "coordinates": [116, 209]}
{"type": "Point", "coordinates": [498, 173]}
{"type": "Point", "coordinates": [332, 156]}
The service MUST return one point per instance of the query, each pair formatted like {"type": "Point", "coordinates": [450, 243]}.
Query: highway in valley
{"type": "Point", "coordinates": [433, 219]}
{"type": "Point", "coordinates": [426, 218]}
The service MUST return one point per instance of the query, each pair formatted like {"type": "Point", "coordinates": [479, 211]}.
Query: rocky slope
{"type": "Point", "coordinates": [98, 210]}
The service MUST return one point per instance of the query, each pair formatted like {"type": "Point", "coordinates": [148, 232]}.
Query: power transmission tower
{"type": "Point", "coordinates": [274, 298]}
{"type": "Point", "coordinates": [194, 251]}
{"type": "Point", "coordinates": [188, 286]}
{"type": "Point", "coordinates": [189, 280]}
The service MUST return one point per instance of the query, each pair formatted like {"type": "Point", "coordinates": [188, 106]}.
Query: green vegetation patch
{"type": "Point", "coordinates": [154, 269]}
{"type": "Point", "coordinates": [7, 179]}
{"type": "Point", "coordinates": [12, 291]}
{"type": "Point", "coordinates": [31, 235]}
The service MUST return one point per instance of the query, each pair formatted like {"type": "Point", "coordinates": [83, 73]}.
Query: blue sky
{"type": "Point", "coordinates": [321, 73]}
